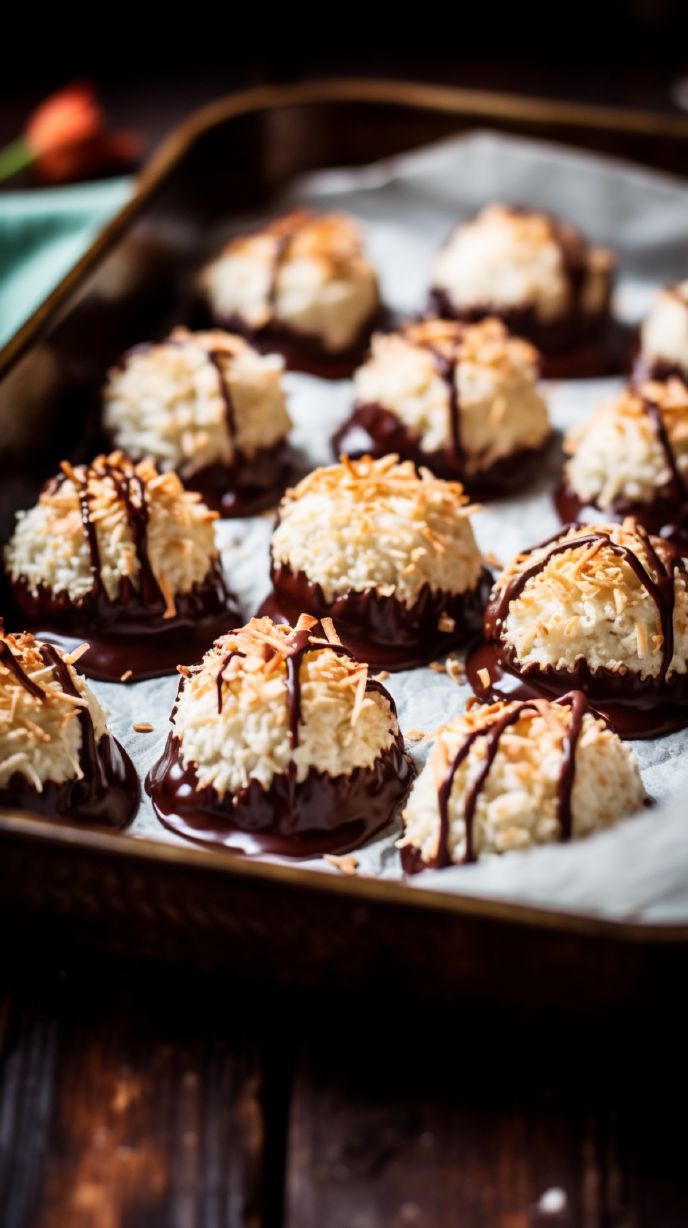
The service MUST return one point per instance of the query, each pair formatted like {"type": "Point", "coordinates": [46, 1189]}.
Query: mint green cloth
{"type": "Point", "coordinates": [42, 234]}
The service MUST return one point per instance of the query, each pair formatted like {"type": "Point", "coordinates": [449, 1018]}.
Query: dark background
{"type": "Point", "coordinates": [152, 65]}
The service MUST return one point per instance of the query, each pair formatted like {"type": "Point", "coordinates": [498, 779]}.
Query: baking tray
{"type": "Point", "coordinates": [281, 922]}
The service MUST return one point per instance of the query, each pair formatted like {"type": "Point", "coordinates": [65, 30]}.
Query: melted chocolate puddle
{"type": "Point", "coordinates": [292, 818]}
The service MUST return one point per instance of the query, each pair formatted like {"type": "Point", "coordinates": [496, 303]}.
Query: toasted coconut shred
{"type": "Point", "coordinates": [50, 545]}
{"type": "Point", "coordinates": [232, 717]}
{"type": "Point", "coordinates": [40, 735]}
{"type": "Point", "coordinates": [306, 272]}
{"type": "Point", "coordinates": [169, 400]}
{"type": "Point", "coordinates": [587, 603]}
{"type": "Point", "coordinates": [378, 524]}
{"type": "Point", "coordinates": [496, 380]}
{"type": "Point", "coordinates": [517, 803]}
{"type": "Point", "coordinates": [618, 453]}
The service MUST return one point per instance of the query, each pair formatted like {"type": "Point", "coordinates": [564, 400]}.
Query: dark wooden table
{"type": "Point", "coordinates": [137, 1097]}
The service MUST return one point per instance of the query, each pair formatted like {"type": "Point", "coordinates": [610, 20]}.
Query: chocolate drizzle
{"type": "Point", "coordinates": [215, 357]}
{"type": "Point", "coordinates": [133, 630]}
{"type": "Point", "coordinates": [90, 761]}
{"type": "Point", "coordinates": [90, 531]}
{"type": "Point", "coordinates": [10, 661]}
{"type": "Point", "coordinates": [283, 242]}
{"type": "Point", "coordinates": [447, 369]}
{"type": "Point", "coordinates": [492, 734]}
{"type": "Point", "coordinates": [661, 591]}
{"type": "Point", "coordinates": [107, 791]}
{"type": "Point", "coordinates": [635, 705]}
{"type": "Point", "coordinates": [677, 487]}
{"type": "Point", "coordinates": [136, 510]}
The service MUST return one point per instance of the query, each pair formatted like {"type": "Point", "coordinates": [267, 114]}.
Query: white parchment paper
{"type": "Point", "coordinates": [640, 868]}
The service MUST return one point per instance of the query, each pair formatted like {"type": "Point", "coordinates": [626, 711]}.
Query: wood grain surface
{"type": "Point", "coordinates": [132, 1097]}
{"type": "Point", "coordinates": [493, 1122]}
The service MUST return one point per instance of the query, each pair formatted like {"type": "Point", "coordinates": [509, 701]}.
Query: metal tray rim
{"type": "Point", "coordinates": [480, 106]}
{"type": "Point", "coordinates": [362, 889]}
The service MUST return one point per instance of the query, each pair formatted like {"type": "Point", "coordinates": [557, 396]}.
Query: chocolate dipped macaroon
{"type": "Point", "coordinates": [461, 399]}
{"type": "Point", "coordinates": [509, 776]}
{"type": "Point", "coordinates": [57, 757]}
{"type": "Point", "coordinates": [210, 407]}
{"type": "Point", "coordinates": [281, 743]}
{"type": "Point", "coordinates": [540, 276]}
{"type": "Point", "coordinates": [631, 459]}
{"type": "Point", "coordinates": [387, 552]}
{"type": "Point", "coordinates": [301, 285]}
{"type": "Point", "coordinates": [121, 555]}
{"type": "Point", "coordinates": [601, 608]}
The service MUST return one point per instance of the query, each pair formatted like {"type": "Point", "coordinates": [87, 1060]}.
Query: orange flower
{"type": "Point", "coordinates": [65, 139]}
{"type": "Point", "coordinates": [68, 118]}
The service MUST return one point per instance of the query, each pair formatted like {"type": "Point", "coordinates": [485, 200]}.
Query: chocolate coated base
{"type": "Point", "coordinates": [372, 430]}
{"type": "Point", "coordinates": [380, 630]}
{"type": "Point", "coordinates": [596, 359]}
{"type": "Point", "coordinates": [634, 710]}
{"type": "Point", "coordinates": [579, 346]}
{"type": "Point", "coordinates": [248, 486]}
{"type": "Point", "coordinates": [123, 636]}
{"type": "Point", "coordinates": [108, 801]}
{"type": "Point", "coordinates": [412, 860]}
{"type": "Point", "coordinates": [305, 353]}
{"type": "Point", "coordinates": [662, 517]}
{"type": "Point", "coordinates": [321, 814]}
{"type": "Point", "coordinates": [150, 655]}
{"type": "Point", "coordinates": [660, 370]}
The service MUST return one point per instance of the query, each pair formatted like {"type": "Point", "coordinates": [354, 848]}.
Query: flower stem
{"type": "Point", "coordinates": [14, 157]}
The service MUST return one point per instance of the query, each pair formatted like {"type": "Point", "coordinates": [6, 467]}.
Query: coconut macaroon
{"type": "Point", "coordinates": [461, 399]}
{"type": "Point", "coordinates": [122, 554]}
{"type": "Point", "coordinates": [631, 458]}
{"type": "Point", "coordinates": [301, 284]}
{"type": "Point", "coordinates": [387, 552]}
{"type": "Point", "coordinates": [539, 275]}
{"type": "Point", "coordinates": [280, 742]}
{"type": "Point", "coordinates": [210, 407]}
{"type": "Point", "coordinates": [56, 755]}
{"type": "Point", "coordinates": [513, 775]}
{"type": "Point", "coordinates": [664, 334]}
{"type": "Point", "coordinates": [599, 607]}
